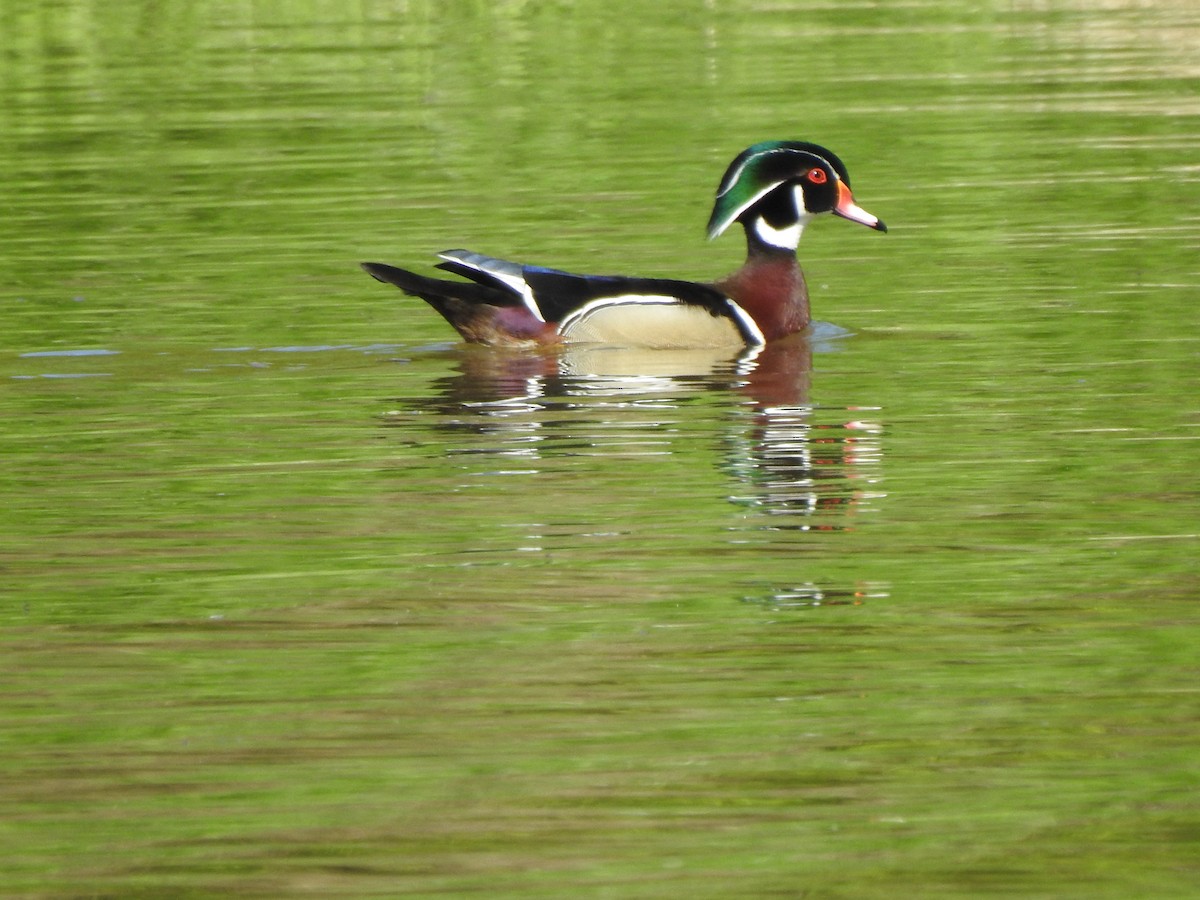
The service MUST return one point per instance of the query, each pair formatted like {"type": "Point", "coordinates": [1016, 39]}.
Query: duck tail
{"type": "Point", "coordinates": [481, 313]}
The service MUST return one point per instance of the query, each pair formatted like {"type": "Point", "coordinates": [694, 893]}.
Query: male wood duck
{"type": "Point", "coordinates": [773, 188]}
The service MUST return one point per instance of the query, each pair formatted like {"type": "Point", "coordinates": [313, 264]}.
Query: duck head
{"type": "Point", "coordinates": [775, 188]}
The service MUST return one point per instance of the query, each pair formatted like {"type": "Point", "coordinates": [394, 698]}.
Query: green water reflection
{"type": "Point", "coordinates": [301, 597]}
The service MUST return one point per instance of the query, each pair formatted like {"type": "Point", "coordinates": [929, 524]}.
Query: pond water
{"type": "Point", "coordinates": [302, 597]}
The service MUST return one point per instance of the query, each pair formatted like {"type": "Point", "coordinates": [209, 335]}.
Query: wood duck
{"type": "Point", "coordinates": [773, 188]}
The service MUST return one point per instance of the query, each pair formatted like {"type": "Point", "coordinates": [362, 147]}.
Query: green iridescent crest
{"type": "Point", "coordinates": [760, 169]}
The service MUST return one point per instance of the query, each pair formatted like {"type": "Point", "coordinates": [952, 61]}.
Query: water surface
{"type": "Point", "coordinates": [300, 596]}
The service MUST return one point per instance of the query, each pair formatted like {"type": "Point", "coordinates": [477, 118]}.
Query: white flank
{"type": "Point", "coordinates": [653, 320]}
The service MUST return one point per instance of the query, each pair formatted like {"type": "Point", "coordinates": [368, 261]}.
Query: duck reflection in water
{"type": "Point", "coordinates": [794, 466]}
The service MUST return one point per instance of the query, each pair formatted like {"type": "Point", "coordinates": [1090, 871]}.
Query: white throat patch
{"type": "Point", "coordinates": [785, 238]}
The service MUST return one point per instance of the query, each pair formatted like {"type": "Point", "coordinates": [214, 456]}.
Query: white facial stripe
{"type": "Point", "coordinates": [734, 176]}
{"type": "Point", "coordinates": [737, 174]}
{"type": "Point", "coordinates": [732, 217]}
{"type": "Point", "coordinates": [798, 199]}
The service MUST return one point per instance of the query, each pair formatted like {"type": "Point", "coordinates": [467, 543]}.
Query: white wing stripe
{"type": "Point", "coordinates": [513, 280]}
{"type": "Point", "coordinates": [530, 303]}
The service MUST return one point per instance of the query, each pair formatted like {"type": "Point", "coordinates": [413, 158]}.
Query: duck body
{"type": "Point", "coordinates": [773, 189]}
{"type": "Point", "coordinates": [508, 303]}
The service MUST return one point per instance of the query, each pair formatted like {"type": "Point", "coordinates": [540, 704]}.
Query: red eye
{"type": "Point", "coordinates": [817, 176]}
